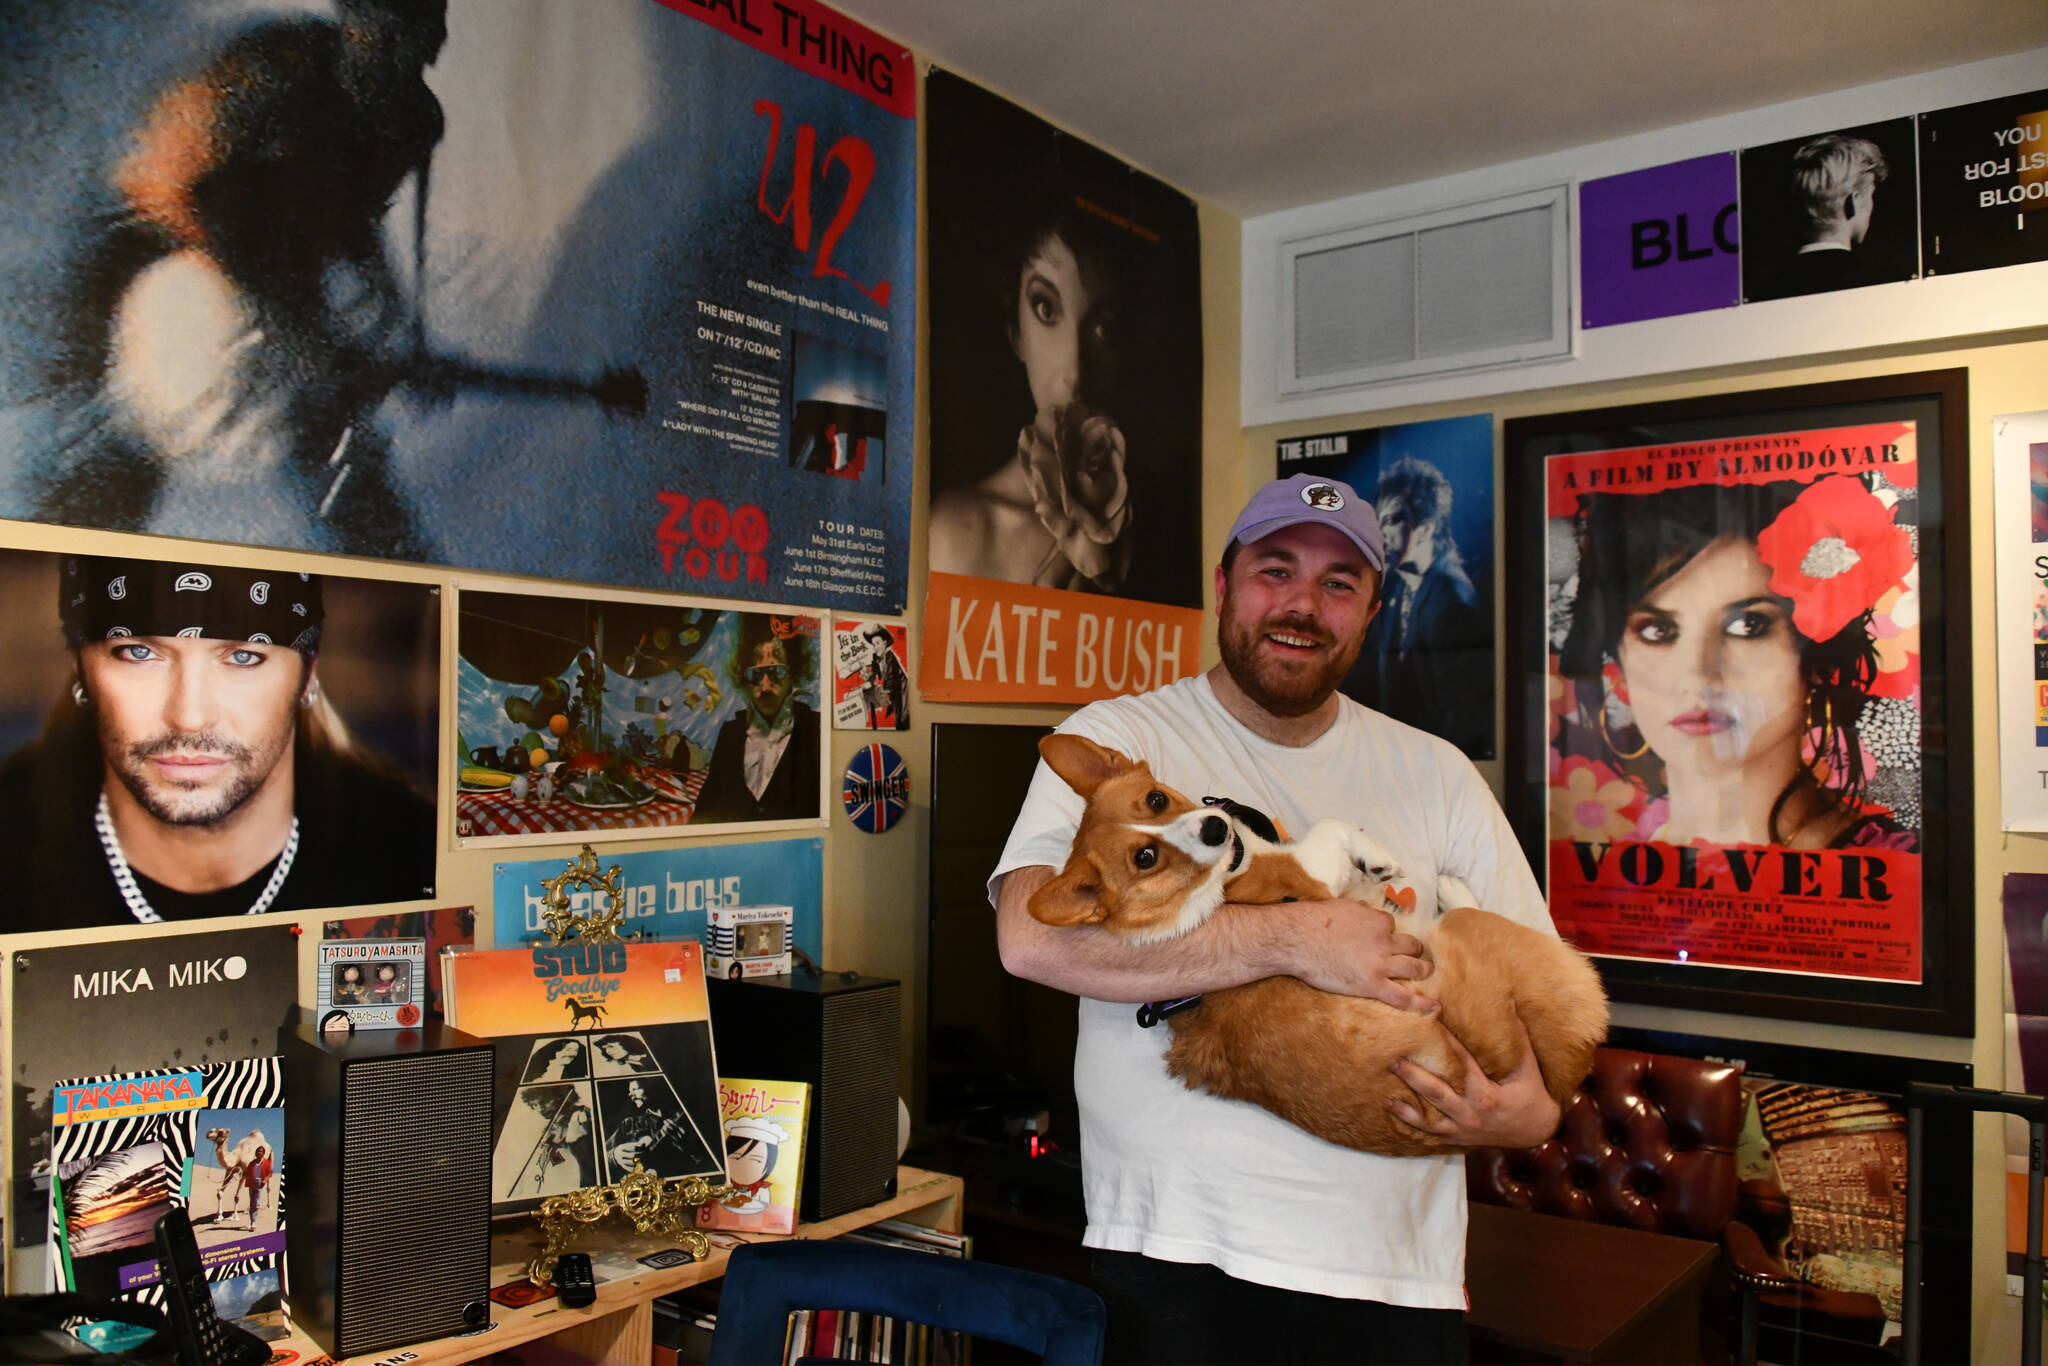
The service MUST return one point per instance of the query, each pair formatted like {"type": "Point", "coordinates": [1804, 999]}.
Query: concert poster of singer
{"type": "Point", "coordinates": [619, 291]}
{"type": "Point", "coordinates": [1735, 673]}
{"type": "Point", "coordinates": [1066, 395]}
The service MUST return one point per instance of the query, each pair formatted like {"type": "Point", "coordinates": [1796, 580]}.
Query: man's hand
{"type": "Point", "coordinates": [1352, 950]}
{"type": "Point", "coordinates": [1515, 1112]}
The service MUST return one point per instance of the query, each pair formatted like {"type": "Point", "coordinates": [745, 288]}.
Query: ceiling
{"type": "Point", "coordinates": [1261, 105]}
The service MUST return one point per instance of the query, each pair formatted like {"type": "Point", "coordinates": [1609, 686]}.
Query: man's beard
{"type": "Point", "coordinates": [176, 806]}
{"type": "Point", "coordinates": [1276, 688]}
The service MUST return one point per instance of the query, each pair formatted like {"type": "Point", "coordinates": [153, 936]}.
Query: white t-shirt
{"type": "Point", "coordinates": [1187, 1177]}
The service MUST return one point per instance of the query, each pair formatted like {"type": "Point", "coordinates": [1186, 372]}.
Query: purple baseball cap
{"type": "Point", "coordinates": [1308, 498]}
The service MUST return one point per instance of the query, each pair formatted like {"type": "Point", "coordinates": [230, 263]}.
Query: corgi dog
{"type": "Point", "coordinates": [1147, 864]}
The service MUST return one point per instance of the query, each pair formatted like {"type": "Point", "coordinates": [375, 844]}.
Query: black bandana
{"type": "Point", "coordinates": [103, 598]}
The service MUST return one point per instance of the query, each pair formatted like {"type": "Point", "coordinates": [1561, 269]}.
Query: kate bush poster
{"type": "Point", "coordinates": [620, 291]}
{"type": "Point", "coordinates": [1735, 702]}
{"type": "Point", "coordinates": [1066, 398]}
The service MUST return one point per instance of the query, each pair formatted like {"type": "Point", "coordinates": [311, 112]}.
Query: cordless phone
{"type": "Point", "coordinates": [204, 1338]}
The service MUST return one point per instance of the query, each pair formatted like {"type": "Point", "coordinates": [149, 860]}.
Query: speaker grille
{"type": "Point", "coordinates": [857, 1111]}
{"type": "Point", "coordinates": [416, 1197]}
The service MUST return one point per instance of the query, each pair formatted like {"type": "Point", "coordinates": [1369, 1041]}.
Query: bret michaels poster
{"type": "Point", "coordinates": [1428, 655]}
{"type": "Point", "coordinates": [1066, 400]}
{"type": "Point", "coordinates": [181, 740]}
{"type": "Point", "coordinates": [1735, 694]}
{"type": "Point", "coordinates": [2020, 467]}
{"type": "Point", "coordinates": [619, 291]}
{"type": "Point", "coordinates": [621, 720]}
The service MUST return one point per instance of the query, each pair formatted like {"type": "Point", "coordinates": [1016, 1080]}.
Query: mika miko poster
{"type": "Point", "coordinates": [620, 291]}
{"type": "Point", "coordinates": [1735, 695]}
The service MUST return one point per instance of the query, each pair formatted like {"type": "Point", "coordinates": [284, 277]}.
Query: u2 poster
{"type": "Point", "coordinates": [1743, 655]}
{"type": "Point", "coordinates": [621, 291]}
{"type": "Point", "coordinates": [1428, 655]}
{"type": "Point", "coordinates": [610, 720]}
{"type": "Point", "coordinates": [1066, 396]}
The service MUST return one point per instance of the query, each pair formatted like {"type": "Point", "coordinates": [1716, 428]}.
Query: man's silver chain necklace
{"type": "Point", "coordinates": [138, 904]}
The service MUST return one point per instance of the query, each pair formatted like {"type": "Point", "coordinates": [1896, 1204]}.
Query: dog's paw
{"type": "Point", "coordinates": [1370, 858]}
{"type": "Point", "coordinates": [1452, 893]}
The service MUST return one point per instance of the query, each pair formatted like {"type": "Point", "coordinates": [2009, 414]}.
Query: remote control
{"type": "Point", "coordinates": [203, 1337]}
{"type": "Point", "coordinates": [574, 1281]}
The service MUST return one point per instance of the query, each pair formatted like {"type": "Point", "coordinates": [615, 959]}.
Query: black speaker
{"type": "Point", "coordinates": [840, 1032]}
{"type": "Point", "coordinates": [388, 1174]}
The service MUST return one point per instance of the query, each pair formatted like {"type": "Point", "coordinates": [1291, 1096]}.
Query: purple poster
{"type": "Point", "coordinates": [1660, 241]}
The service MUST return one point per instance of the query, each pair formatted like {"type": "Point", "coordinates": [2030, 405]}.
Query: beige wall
{"type": "Point", "coordinates": [2006, 375]}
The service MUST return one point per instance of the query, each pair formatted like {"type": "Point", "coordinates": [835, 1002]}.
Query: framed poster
{"type": "Point", "coordinates": [613, 719]}
{"type": "Point", "coordinates": [1732, 709]}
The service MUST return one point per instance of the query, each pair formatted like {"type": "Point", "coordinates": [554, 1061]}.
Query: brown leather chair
{"type": "Point", "coordinates": [1648, 1142]}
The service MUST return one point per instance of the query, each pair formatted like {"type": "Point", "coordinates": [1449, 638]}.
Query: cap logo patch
{"type": "Point", "coordinates": [192, 583]}
{"type": "Point", "coordinates": [1322, 496]}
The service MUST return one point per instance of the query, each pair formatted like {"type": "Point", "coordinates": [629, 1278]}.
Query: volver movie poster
{"type": "Point", "coordinates": [619, 291]}
{"type": "Point", "coordinates": [1735, 702]}
{"type": "Point", "coordinates": [296, 713]}
{"type": "Point", "coordinates": [179, 1001]}
{"type": "Point", "coordinates": [1066, 397]}
{"type": "Point", "coordinates": [1829, 211]}
{"type": "Point", "coordinates": [1428, 655]}
{"type": "Point", "coordinates": [609, 719]}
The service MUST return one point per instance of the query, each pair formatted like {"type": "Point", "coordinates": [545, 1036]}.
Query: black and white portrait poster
{"type": "Point", "coordinates": [618, 291]}
{"type": "Point", "coordinates": [1066, 382]}
{"type": "Point", "coordinates": [1830, 211]}
{"type": "Point", "coordinates": [1428, 655]}
{"type": "Point", "coordinates": [182, 740]}
{"type": "Point", "coordinates": [1984, 184]}
{"type": "Point", "coordinates": [131, 1005]}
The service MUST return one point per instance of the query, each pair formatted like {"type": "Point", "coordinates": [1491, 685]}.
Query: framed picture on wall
{"type": "Point", "coordinates": [1738, 713]}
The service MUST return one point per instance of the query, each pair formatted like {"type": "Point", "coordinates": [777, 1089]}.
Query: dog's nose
{"type": "Point", "coordinates": [1215, 830]}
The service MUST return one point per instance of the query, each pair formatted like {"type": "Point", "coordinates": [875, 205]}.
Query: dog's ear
{"type": "Point", "coordinates": [1075, 897]}
{"type": "Point", "coordinates": [1083, 763]}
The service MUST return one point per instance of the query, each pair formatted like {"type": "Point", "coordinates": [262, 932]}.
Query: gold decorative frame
{"type": "Point", "coordinates": [564, 924]}
{"type": "Point", "coordinates": [666, 1209]}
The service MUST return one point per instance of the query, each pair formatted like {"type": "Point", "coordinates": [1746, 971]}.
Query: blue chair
{"type": "Point", "coordinates": [766, 1282]}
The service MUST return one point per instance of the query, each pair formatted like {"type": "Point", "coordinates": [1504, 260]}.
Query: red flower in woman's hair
{"type": "Point", "coordinates": [1834, 553]}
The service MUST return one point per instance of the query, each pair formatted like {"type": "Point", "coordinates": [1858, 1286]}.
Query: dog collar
{"type": "Point", "coordinates": [1236, 853]}
{"type": "Point", "coordinates": [1152, 1012]}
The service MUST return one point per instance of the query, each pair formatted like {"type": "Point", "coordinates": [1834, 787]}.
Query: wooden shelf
{"type": "Point", "coordinates": [619, 1328]}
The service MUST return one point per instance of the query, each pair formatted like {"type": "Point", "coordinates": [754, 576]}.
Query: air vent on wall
{"type": "Point", "coordinates": [1474, 286]}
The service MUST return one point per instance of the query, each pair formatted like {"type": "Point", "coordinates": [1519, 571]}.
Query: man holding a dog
{"type": "Point", "coordinates": [1220, 1232]}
